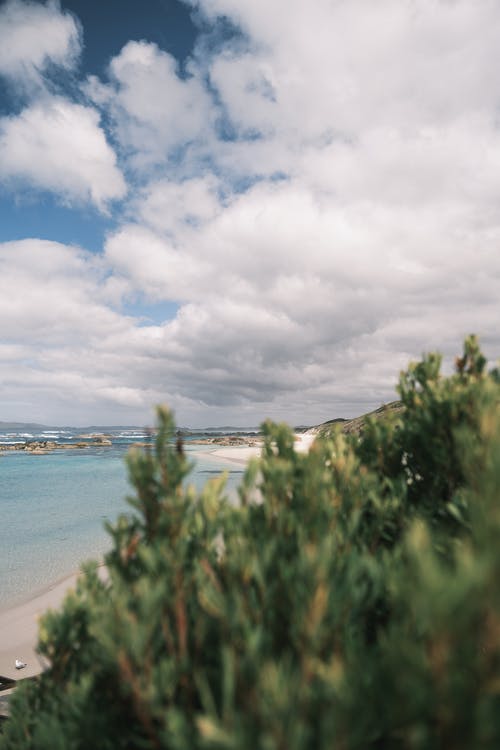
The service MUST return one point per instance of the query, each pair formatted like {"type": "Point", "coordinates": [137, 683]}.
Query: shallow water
{"type": "Point", "coordinates": [53, 508]}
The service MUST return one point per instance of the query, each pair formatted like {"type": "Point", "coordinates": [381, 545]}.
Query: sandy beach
{"type": "Point", "coordinates": [19, 629]}
{"type": "Point", "coordinates": [242, 454]}
{"type": "Point", "coordinates": [19, 623]}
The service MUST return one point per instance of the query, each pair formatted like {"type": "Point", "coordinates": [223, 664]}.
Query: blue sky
{"type": "Point", "coordinates": [28, 213]}
{"type": "Point", "coordinates": [242, 209]}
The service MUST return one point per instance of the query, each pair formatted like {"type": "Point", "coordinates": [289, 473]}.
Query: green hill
{"type": "Point", "coordinates": [355, 426]}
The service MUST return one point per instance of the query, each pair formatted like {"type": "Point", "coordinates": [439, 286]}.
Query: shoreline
{"type": "Point", "coordinates": [19, 621]}
{"type": "Point", "coordinates": [238, 454]}
{"type": "Point", "coordinates": [241, 454]}
{"type": "Point", "coordinates": [19, 627]}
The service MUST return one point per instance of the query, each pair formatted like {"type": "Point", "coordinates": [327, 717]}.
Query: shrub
{"type": "Point", "coordinates": [351, 600]}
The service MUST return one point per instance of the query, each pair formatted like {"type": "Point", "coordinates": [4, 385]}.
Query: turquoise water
{"type": "Point", "coordinates": [53, 508]}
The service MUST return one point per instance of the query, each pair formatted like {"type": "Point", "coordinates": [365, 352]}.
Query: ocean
{"type": "Point", "coordinates": [53, 507]}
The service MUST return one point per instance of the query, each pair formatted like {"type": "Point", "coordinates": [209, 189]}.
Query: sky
{"type": "Point", "coordinates": [242, 209]}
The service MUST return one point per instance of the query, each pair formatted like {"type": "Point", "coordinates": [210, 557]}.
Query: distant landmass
{"type": "Point", "coordinates": [25, 426]}
{"type": "Point", "coordinates": [34, 426]}
{"type": "Point", "coordinates": [347, 426]}
{"type": "Point", "coordinates": [355, 426]}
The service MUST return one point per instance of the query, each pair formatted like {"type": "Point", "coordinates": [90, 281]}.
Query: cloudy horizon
{"type": "Point", "coordinates": [242, 210]}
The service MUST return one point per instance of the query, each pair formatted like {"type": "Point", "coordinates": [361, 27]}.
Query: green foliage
{"type": "Point", "coordinates": [350, 600]}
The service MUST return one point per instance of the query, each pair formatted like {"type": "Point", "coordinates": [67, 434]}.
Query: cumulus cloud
{"type": "Point", "coordinates": [170, 205]}
{"type": "Point", "coordinates": [68, 353]}
{"type": "Point", "coordinates": [34, 35]}
{"type": "Point", "coordinates": [56, 145]}
{"type": "Point", "coordinates": [155, 110]}
{"type": "Point", "coordinates": [371, 136]}
{"type": "Point", "coordinates": [319, 197]}
{"type": "Point", "coordinates": [61, 293]}
{"type": "Point", "coordinates": [153, 265]}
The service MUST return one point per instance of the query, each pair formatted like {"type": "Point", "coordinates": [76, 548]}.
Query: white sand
{"type": "Point", "coordinates": [19, 624]}
{"type": "Point", "coordinates": [303, 441]}
{"type": "Point", "coordinates": [238, 454]}
{"type": "Point", "coordinates": [19, 629]}
{"type": "Point", "coordinates": [241, 454]}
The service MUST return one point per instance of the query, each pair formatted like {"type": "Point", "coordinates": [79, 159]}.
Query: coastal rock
{"type": "Point", "coordinates": [39, 447]}
{"type": "Point", "coordinates": [102, 440]}
{"type": "Point", "coordinates": [96, 437]}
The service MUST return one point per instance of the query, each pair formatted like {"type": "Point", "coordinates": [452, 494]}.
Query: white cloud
{"type": "Point", "coordinates": [155, 109]}
{"type": "Point", "coordinates": [168, 205]}
{"type": "Point", "coordinates": [349, 223]}
{"type": "Point", "coordinates": [350, 64]}
{"type": "Point", "coordinates": [305, 306]}
{"type": "Point", "coordinates": [153, 265]}
{"type": "Point", "coordinates": [313, 74]}
{"type": "Point", "coordinates": [59, 146]}
{"type": "Point", "coordinates": [34, 35]}
{"type": "Point", "coordinates": [52, 293]}
{"type": "Point", "coordinates": [66, 354]}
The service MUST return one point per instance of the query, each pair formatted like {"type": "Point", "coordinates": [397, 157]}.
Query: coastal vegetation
{"type": "Point", "coordinates": [350, 600]}
{"type": "Point", "coordinates": [356, 426]}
